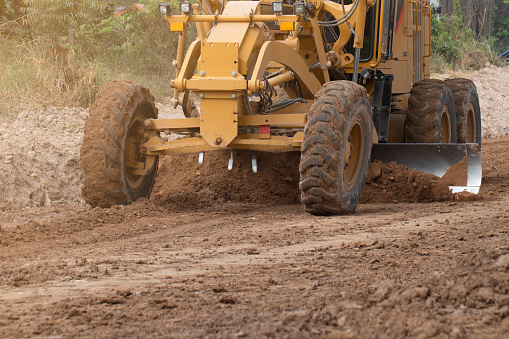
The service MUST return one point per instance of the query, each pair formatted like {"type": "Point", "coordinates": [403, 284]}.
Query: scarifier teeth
{"type": "Point", "coordinates": [254, 163]}
{"type": "Point", "coordinates": [201, 157]}
{"type": "Point", "coordinates": [230, 162]}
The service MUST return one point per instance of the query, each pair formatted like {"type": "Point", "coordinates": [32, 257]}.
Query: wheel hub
{"type": "Point", "coordinates": [445, 126]}
{"type": "Point", "coordinates": [471, 136]}
{"type": "Point", "coordinates": [354, 150]}
{"type": "Point", "coordinates": [137, 164]}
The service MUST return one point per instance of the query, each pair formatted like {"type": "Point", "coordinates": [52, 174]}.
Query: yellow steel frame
{"type": "Point", "coordinates": [156, 146]}
{"type": "Point", "coordinates": [238, 42]}
{"type": "Point", "coordinates": [297, 120]}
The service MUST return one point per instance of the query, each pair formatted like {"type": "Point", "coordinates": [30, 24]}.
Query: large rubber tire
{"type": "Point", "coordinates": [336, 150]}
{"type": "Point", "coordinates": [113, 135]}
{"type": "Point", "coordinates": [430, 116]}
{"type": "Point", "coordinates": [468, 112]}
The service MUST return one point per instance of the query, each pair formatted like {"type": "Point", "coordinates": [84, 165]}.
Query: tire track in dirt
{"type": "Point", "coordinates": [308, 272]}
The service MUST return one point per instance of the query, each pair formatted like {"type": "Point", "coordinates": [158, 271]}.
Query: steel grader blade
{"type": "Point", "coordinates": [459, 164]}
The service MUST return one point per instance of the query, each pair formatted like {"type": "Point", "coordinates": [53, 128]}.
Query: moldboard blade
{"type": "Point", "coordinates": [459, 165]}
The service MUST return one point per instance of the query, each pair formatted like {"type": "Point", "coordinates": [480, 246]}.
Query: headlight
{"type": "Point", "coordinates": [164, 9]}
{"type": "Point", "coordinates": [185, 7]}
{"type": "Point", "coordinates": [277, 7]}
{"type": "Point", "coordinates": [299, 8]}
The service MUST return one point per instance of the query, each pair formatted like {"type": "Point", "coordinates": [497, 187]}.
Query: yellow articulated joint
{"type": "Point", "coordinates": [188, 66]}
{"type": "Point", "coordinates": [275, 51]}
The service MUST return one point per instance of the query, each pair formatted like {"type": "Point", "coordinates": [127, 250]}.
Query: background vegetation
{"type": "Point", "coordinates": [469, 33]}
{"type": "Point", "coordinates": [489, 18]}
{"type": "Point", "coordinates": [59, 52]}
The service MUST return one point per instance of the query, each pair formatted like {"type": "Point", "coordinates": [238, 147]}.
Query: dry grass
{"type": "Point", "coordinates": [35, 74]}
{"type": "Point", "coordinates": [32, 78]}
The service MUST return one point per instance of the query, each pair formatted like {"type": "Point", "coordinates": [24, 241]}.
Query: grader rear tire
{"type": "Point", "coordinates": [430, 116]}
{"type": "Point", "coordinates": [115, 171]}
{"type": "Point", "coordinates": [336, 150]}
{"type": "Point", "coordinates": [468, 112]}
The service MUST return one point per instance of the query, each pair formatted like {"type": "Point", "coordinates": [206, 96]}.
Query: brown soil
{"type": "Point", "coordinates": [40, 163]}
{"type": "Point", "coordinates": [181, 180]}
{"type": "Point", "coordinates": [395, 183]}
{"type": "Point", "coordinates": [261, 270]}
{"type": "Point", "coordinates": [457, 174]}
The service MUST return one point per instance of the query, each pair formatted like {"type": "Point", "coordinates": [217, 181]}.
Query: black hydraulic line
{"type": "Point", "coordinates": [202, 8]}
{"type": "Point", "coordinates": [288, 102]}
{"type": "Point", "coordinates": [341, 20]}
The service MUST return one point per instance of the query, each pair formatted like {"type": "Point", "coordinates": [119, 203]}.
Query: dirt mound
{"type": "Point", "coordinates": [39, 159]}
{"type": "Point", "coordinates": [39, 156]}
{"type": "Point", "coordinates": [395, 183]}
{"type": "Point", "coordinates": [183, 181]}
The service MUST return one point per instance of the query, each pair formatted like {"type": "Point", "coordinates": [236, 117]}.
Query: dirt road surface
{"type": "Point", "coordinates": [157, 269]}
{"type": "Point", "coordinates": [218, 254]}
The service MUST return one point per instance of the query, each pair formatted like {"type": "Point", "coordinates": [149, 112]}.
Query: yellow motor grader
{"type": "Point", "coordinates": [343, 82]}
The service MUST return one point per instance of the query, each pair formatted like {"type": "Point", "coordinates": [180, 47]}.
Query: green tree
{"type": "Point", "coordinates": [501, 26]}
{"type": "Point", "coordinates": [10, 15]}
{"type": "Point", "coordinates": [54, 21]}
{"type": "Point", "coordinates": [458, 16]}
{"type": "Point", "coordinates": [457, 46]}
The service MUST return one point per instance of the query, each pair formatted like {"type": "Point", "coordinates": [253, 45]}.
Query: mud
{"type": "Point", "coordinates": [395, 183]}
{"type": "Point", "coordinates": [261, 270]}
{"type": "Point", "coordinates": [181, 180]}
{"type": "Point", "coordinates": [39, 161]}
{"type": "Point", "coordinates": [230, 262]}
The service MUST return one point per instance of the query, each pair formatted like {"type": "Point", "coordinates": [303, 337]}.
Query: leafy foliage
{"type": "Point", "coordinates": [488, 18]}
{"type": "Point", "coordinates": [59, 52]}
{"type": "Point", "coordinates": [10, 18]}
{"type": "Point", "coordinates": [53, 21]}
{"type": "Point", "coordinates": [501, 26]}
{"type": "Point", "coordinates": [458, 47]}
{"type": "Point", "coordinates": [139, 39]}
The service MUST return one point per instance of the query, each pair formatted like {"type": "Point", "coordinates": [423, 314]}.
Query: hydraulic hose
{"type": "Point", "coordinates": [342, 19]}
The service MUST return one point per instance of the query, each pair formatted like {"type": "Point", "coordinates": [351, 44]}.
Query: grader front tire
{"type": "Point", "coordinates": [430, 116]}
{"type": "Point", "coordinates": [115, 171]}
{"type": "Point", "coordinates": [336, 150]}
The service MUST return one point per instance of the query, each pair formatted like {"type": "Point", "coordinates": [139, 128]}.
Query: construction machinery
{"type": "Point", "coordinates": [342, 82]}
